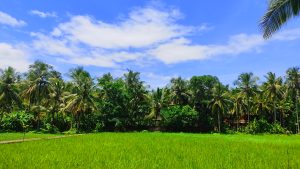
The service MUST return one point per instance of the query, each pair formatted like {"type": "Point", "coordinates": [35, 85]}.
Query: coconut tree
{"type": "Point", "coordinates": [293, 85]}
{"type": "Point", "coordinates": [220, 102]}
{"type": "Point", "coordinates": [278, 13]}
{"type": "Point", "coordinates": [57, 89]}
{"type": "Point", "coordinates": [179, 91]}
{"type": "Point", "coordinates": [238, 107]}
{"type": "Point", "coordinates": [261, 105]}
{"type": "Point", "coordinates": [158, 103]}
{"type": "Point", "coordinates": [9, 90]}
{"type": "Point", "coordinates": [247, 86]}
{"type": "Point", "coordinates": [273, 90]}
{"type": "Point", "coordinates": [138, 99]}
{"type": "Point", "coordinates": [37, 88]}
{"type": "Point", "coordinates": [80, 101]}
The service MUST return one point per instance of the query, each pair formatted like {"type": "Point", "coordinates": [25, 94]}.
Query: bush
{"type": "Point", "coordinates": [17, 121]}
{"type": "Point", "coordinates": [177, 118]}
{"type": "Point", "coordinates": [277, 129]}
{"type": "Point", "coordinates": [48, 128]}
{"type": "Point", "coordinates": [262, 126]}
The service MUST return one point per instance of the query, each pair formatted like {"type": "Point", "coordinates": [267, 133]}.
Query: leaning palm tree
{"type": "Point", "coordinates": [247, 86]}
{"type": "Point", "coordinates": [219, 102]}
{"type": "Point", "coordinates": [80, 101]}
{"type": "Point", "coordinates": [273, 90]}
{"type": "Point", "coordinates": [278, 13]}
{"type": "Point", "coordinates": [293, 85]}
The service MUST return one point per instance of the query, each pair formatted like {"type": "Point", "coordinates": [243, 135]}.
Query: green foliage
{"type": "Point", "coordinates": [262, 126]}
{"type": "Point", "coordinates": [48, 128]}
{"type": "Point", "coordinates": [179, 118]}
{"type": "Point", "coordinates": [16, 121]}
{"type": "Point", "coordinates": [199, 104]}
{"type": "Point", "coordinates": [278, 13]}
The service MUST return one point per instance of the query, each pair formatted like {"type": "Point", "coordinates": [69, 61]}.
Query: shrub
{"type": "Point", "coordinates": [16, 121]}
{"type": "Point", "coordinates": [262, 126]}
{"type": "Point", "coordinates": [177, 118]}
{"type": "Point", "coordinates": [277, 129]}
{"type": "Point", "coordinates": [48, 128]}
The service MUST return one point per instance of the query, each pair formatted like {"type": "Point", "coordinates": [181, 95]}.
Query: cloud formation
{"type": "Point", "coordinates": [14, 56]}
{"type": "Point", "coordinates": [145, 36]}
{"type": "Point", "coordinates": [6, 19]}
{"type": "Point", "coordinates": [43, 14]}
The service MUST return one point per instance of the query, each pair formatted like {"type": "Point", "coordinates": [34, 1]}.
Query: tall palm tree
{"type": "Point", "coordinates": [37, 89]}
{"type": "Point", "coordinates": [9, 91]}
{"type": "Point", "coordinates": [278, 13]}
{"type": "Point", "coordinates": [57, 89]}
{"type": "Point", "coordinates": [219, 102]}
{"type": "Point", "coordinates": [272, 88]}
{"type": "Point", "coordinates": [80, 101]}
{"type": "Point", "coordinates": [238, 107]}
{"type": "Point", "coordinates": [158, 103]}
{"type": "Point", "coordinates": [293, 85]}
{"type": "Point", "coordinates": [247, 86]}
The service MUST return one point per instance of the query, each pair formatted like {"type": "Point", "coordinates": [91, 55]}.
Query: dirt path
{"type": "Point", "coordinates": [35, 139]}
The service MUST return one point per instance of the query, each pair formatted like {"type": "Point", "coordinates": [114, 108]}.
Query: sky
{"type": "Point", "coordinates": [161, 39]}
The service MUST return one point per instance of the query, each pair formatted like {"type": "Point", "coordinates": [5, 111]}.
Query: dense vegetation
{"type": "Point", "coordinates": [155, 150]}
{"type": "Point", "coordinates": [41, 99]}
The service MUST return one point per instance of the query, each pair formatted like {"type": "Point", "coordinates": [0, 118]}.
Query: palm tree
{"type": "Point", "coordinates": [37, 88]}
{"type": "Point", "coordinates": [80, 101]}
{"type": "Point", "coordinates": [37, 83]}
{"type": "Point", "coordinates": [238, 107]}
{"type": "Point", "coordinates": [158, 103]}
{"type": "Point", "coordinates": [9, 91]}
{"type": "Point", "coordinates": [57, 87]}
{"type": "Point", "coordinates": [261, 105]}
{"type": "Point", "coordinates": [138, 99]}
{"type": "Point", "coordinates": [247, 86]}
{"type": "Point", "coordinates": [293, 85]}
{"type": "Point", "coordinates": [278, 13]}
{"type": "Point", "coordinates": [219, 102]}
{"type": "Point", "coordinates": [272, 88]}
{"type": "Point", "coordinates": [179, 91]}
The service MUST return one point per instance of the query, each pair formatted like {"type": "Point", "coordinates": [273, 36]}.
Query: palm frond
{"type": "Point", "coordinates": [279, 12]}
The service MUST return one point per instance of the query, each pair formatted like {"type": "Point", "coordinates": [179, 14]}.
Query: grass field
{"type": "Point", "coordinates": [18, 136]}
{"type": "Point", "coordinates": [155, 150]}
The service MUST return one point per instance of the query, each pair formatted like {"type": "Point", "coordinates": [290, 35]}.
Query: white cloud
{"type": "Point", "coordinates": [14, 56]}
{"type": "Point", "coordinates": [43, 14]}
{"type": "Point", "coordinates": [142, 28]}
{"type": "Point", "coordinates": [6, 19]}
{"type": "Point", "coordinates": [291, 34]}
{"type": "Point", "coordinates": [143, 37]}
{"type": "Point", "coordinates": [179, 50]}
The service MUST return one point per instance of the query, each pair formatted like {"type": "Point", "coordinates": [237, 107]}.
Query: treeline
{"type": "Point", "coordinates": [42, 100]}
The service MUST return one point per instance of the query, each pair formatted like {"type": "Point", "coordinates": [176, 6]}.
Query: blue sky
{"type": "Point", "coordinates": [160, 39]}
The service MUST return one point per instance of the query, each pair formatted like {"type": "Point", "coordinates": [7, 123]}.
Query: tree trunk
{"type": "Point", "coordinates": [248, 109]}
{"type": "Point", "coordinates": [297, 116]}
{"type": "Point", "coordinates": [237, 122]}
{"type": "Point", "coordinates": [219, 123]}
{"type": "Point", "coordinates": [274, 111]}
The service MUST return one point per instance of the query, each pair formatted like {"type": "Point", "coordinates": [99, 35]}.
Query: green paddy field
{"type": "Point", "coordinates": [151, 150]}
